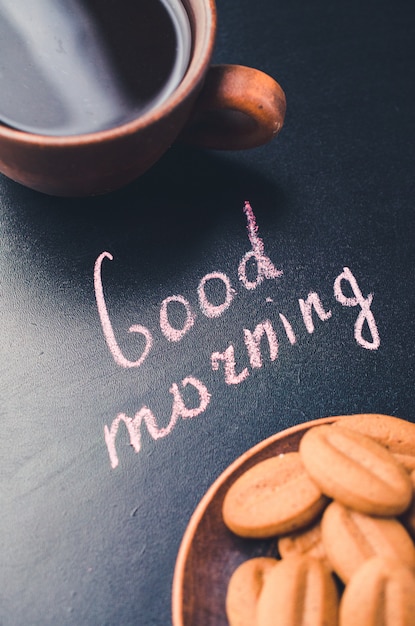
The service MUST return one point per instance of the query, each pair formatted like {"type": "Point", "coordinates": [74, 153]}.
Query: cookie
{"type": "Point", "coordinates": [382, 592]}
{"type": "Point", "coordinates": [394, 433]}
{"type": "Point", "coordinates": [299, 590]}
{"type": "Point", "coordinates": [408, 518]}
{"type": "Point", "coordinates": [350, 538]}
{"type": "Point", "coordinates": [244, 588]}
{"type": "Point", "coordinates": [305, 541]}
{"type": "Point", "coordinates": [355, 470]}
{"type": "Point", "coordinates": [273, 497]}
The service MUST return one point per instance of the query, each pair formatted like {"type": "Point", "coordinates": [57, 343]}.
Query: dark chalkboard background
{"type": "Point", "coordinates": [82, 543]}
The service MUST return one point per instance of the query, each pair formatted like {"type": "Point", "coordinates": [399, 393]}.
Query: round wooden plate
{"type": "Point", "coordinates": [209, 552]}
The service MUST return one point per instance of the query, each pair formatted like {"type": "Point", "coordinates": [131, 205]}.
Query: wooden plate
{"type": "Point", "coordinates": [209, 552]}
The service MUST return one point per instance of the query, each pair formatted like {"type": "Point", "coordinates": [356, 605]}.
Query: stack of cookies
{"type": "Point", "coordinates": [342, 509]}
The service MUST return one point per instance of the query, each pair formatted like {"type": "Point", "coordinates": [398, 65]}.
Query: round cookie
{"type": "Point", "coordinates": [273, 497]}
{"type": "Point", "coordinates": [381, 592]}
{"type": "Point", "coordinates": [350, 538]}
{"type": "Point", "coordinates": [305, 541]}
{"type": "Point", "coordinates": [244, 588]}
{"type": "Point", "coordinates": [299, 590]}
{"type": "Point", "coordinates": [394, 433]}
{"type": "Point", "coordinates": [355, 470]}
{"type": "Point", "coordinates": [408, 518]}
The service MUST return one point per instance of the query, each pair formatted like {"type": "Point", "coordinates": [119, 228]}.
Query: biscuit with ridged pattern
{"type": "Point", "coordinates": [381, 593]}
{"type": "Point", "coordinates": [350, 538]}
{"type": "Point", "coordinates": [355, 470]}
{"type": "Point", "coordinates": [299, 590]}
{"type": "Point", "coordinates": [244, 588]}
{"type": "Point", "coordinates": [273, 497]}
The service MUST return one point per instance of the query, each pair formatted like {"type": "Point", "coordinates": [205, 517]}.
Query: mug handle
{"type": "Point", "coordinates": [239, 107]}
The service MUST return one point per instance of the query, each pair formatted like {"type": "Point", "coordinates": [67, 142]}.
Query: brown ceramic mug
{"type": "Point", "coordinates": [225, 107]}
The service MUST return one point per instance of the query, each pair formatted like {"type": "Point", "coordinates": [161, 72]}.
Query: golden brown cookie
{"type": "Point", "coordinates": [299, 590]}
{"type": "Point", "coordinates": [381, 593]}
{"type": "Point", "coordinates": [355, 470]}
{"type": "Point", "coordinates": [408, 518]}
{"type": "Point", "coordinates": [273, 497]}
{"type": "Point", "coordinates": [244, 588]}
{"type": "Point", "coordinates": [305, 541]}
{"type": "Point", "coordinates": [350, 538]}
{"type": "Point", "coordinates": [407, 461]}
{"type": "Point", "coordinates": [394, 433]}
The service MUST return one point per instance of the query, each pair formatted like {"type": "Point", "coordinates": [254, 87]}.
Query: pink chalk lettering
{"type": "Point", "coordinates": [179, 410]}
{"type": "Point", "coordinates": [253, 343]}
{"type": "Point", "coordinates": [179, 405]}
{"type": "Point", "coordinates": [365, 314]}
{"type": "Point", "coordinates": [133, 427]}
{"type": "Point", "coordinates": [207, 308]}
{"type": "Point", "coordinates": [112, 344]}
{"type": "Point", "coordinates": [175, 334]}
{"type": "Point", "coordinates": [288, 329]}
{"type": "Point", "coordinates": [264, 266]}
{"type": "Point", "coordinates": [254, 267]}
{"type": "Point", "coordinates": [228, 358]}
{"type": "Point", "coordinates": [313, 302]}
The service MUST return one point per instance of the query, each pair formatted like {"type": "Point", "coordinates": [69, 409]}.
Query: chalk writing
{"type": "Point", "coordinates": [223, 359]}
{"type": "Point", "coordinates": [212, 310]}
{"type": "Point", "coordinates": [112, 344]}
{"type": "Point", "coordinates": [288, 329]}
{"type": "Point", "coordinates": [253, 343]}
{"type": "Point", "coordinates": [175, 334]}
{"type": "Point", "coordinates": [228, 359]}
{"type": "Point", "coordinates": [365, 314]}
{"type": "Point", "coordinates": [145, 415]}
{"type": "Point", "coordinates": [313, 302]}
{"type": "Point", "coordinates": [265, 267]}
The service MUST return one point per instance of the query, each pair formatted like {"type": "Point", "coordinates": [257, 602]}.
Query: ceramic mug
{"type": "Point", "coordinates": [225, 107]}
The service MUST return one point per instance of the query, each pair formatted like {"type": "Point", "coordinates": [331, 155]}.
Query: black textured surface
{"type": "Point", "coordinates": [82, 543]}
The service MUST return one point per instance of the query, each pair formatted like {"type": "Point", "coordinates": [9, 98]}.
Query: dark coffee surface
{"type": "Point", "coordinates": [83, 543]}
{"type": "Point", "coordinates": [85, 65]}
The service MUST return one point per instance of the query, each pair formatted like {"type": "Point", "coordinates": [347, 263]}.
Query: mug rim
{"type": "Point", "coordinates": [192, 77]}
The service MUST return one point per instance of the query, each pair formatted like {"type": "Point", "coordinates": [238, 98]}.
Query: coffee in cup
{"type": "Point", "coordinates": [71, 68]}
{"type": "Point", "coordinates": [95, 91]}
